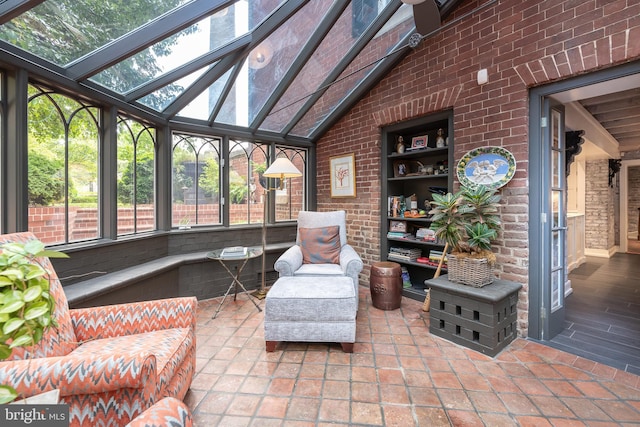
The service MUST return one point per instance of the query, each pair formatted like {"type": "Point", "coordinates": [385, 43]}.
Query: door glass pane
{"type": "Point", "coordinates": [556, 260]}
{"type": "Point", "coordinates": [555, 129]}
{"type": "Point", "coordinates": [556, 169]}
{"type": "Point", "coordinates": [557, 278]}
{"type": "Point", "coordinates": [556, 208]}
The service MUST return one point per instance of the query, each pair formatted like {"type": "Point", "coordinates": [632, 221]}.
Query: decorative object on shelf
{"type": "Point", "coordinates": [26, 304]}
{"type": "Point", "coordinates": [398, 226]}
{"type": "Point", "coordinates": [280, 169]}
{"type": "Point", "coordinates": [343, 176]}
{"type": "Point", "coordinates": [419, 142]}
{"type": "Point", "coordinates": [400, 145]}
{"type": "Point", "coordinates": [404, 254]}
{"type": "Point", "coordinates": [440, 142]}
{"type": "Point", "coordinates": [439, 190]}
{"type": "Point", "coordinates": [406, 279]}
{"type": "Point", "coordinates": [492, 167]}
{"type": "Point", "coordinates": [424, 169]}
{"type": "Point", "coordinates": [426, 234]}
{"type": "Point", "coordinates": [400, 169]}
{"type": "Point", "coordinates": [413, 205]}
{"type": "Point", "coordinates": [396, 206]}
{"type": "Point", "coordinates": [468, 221]}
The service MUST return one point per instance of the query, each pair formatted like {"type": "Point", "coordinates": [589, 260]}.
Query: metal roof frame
{"type": "Point", "coordinates": [229, 58]}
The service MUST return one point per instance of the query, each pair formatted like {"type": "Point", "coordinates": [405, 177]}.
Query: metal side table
{"type": "Point", "coordinates": [240, 261]}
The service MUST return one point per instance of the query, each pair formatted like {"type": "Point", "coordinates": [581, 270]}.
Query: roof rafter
{"type": "Point", "coordinates": [202, 84]}
{"type": "Point", "coordinates": [9, 9]}
{"type": "Point", "coordinates": [234, 46]}
{"type": "Point", "coordinates": [228, 85]}
{"type": "Point", "coordinates": [381, 69]}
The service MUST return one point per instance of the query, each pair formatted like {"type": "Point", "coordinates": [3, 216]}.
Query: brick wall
{"type": "Point", "coordinates": [599, 207]}
{"type": "Point", "coordinates": [48, 223]}
{"type": "Point", "coordinates": [522, 44]}
{"type": "Point", "coordinates": [633, 200]}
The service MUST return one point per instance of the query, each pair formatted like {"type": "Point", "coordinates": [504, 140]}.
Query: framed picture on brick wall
{"type": "Point", "coordinates": [343, 176]}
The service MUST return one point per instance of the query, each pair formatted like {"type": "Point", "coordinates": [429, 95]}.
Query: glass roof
{"type": "Point", "coordinates": [275, 67]}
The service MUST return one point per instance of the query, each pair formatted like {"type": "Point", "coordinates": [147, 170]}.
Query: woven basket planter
{"type": "Point", "coordinates": [476, 272]}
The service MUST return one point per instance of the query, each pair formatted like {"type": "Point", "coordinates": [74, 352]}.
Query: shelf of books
{"type": "Point", "coordinates": [417, 155]}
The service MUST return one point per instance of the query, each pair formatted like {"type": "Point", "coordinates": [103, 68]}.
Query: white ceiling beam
{"type": "Point", "coordinates": [598, 141]}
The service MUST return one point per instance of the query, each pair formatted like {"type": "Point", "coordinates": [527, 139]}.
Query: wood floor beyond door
{"type": "Point", "coordinates": [603, 313]}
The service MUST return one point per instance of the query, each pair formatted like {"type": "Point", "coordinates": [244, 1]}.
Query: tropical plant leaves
{"type": "Point", "coordinates": [467, 220]}
{"type": "Point", "coordinates": [7, 394]}
{"type": "Point", "coordinates": [26, 306]}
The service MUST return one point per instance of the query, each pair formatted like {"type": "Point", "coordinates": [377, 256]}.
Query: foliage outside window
{"type": "Point", "coordinates": [196, 198]}
{"type": "Point", "coordinates": [246, 186]}
{"type": "Point", "coordinates": [199, 182]}
{"type": "Point", "coordinates": [136, 177]}
{"type": "Point", "coordinates": [292, 199]}
{"type": "Point", "coordinates": [64, 136]}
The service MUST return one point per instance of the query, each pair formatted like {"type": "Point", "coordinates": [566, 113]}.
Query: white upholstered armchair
{"type": "Point", "coordinates": [310, 256]}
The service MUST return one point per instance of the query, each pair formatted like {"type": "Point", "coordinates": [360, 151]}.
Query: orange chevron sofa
{"type": "Point", "coordinates": [110, 363]}
{"type": "Point", "coordinates": [167, 412]}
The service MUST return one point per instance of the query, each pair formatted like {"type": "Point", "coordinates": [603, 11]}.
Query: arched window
{"type": "Point", "coordinates": [64, 193]}
{"type": "Point", "coordinates": [136, 177]}
{"type": "Point", "coordinates": [196, 181]}
{"type": "Point", "coordinates": [246, 186]}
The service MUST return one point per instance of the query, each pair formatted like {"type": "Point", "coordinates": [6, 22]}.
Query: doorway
{"type": "Point", "coordinates": [542, 324]}
{"type": "Point", "coordinates": [630, 206]}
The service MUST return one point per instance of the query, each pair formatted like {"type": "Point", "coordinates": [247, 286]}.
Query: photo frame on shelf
{"type": "Point", "coordinates": [398, 226]}
{"type": "Point", "coordinates": [343, 175]}
{"type": "Point", "coordinates": [419, 142]}
{"type": "Point", "coordinates": [400, 168]}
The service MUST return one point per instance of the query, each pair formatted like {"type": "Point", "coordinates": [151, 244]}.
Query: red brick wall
{"type": "Point", "coordinates": [48, 223]}
{"type": "Point", "coordinates": [522, 44]}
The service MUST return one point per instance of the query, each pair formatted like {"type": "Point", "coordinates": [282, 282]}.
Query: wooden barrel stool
{"type": "Point", "coordinates": [386, 285]}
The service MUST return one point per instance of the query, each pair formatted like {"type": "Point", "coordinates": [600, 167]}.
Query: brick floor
{"type": "Point", "coordinates": [398, 375]}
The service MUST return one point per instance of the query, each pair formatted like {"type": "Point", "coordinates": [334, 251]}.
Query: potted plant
{"type": "Point", "coordinates": [26, 306]}
{"type": "Point", "coordinates": [468, 221]}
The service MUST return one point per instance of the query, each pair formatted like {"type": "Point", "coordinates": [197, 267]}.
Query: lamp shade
{"type": "Point", "coordinates": [413, 1]}
{"type": "Point", "coordinates": [282, 168]}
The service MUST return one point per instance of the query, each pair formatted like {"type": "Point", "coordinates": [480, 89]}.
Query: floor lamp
{"type": "Point", "coordinates": [282, 168]}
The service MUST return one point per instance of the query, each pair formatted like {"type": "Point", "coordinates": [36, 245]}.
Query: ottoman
{"type": "Point", "coordinates": [311, 309]}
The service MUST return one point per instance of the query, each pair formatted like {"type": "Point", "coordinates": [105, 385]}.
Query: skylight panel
{"type": "Point", "coordinates": [201, 107]}
{"type": "Point", "coordinates": [61, 31]}
{"type": "Point", "coordinates": [383, 43]}
{"type": "Point", "coordinates": [271, 59]}
{"type": "Point", "coordinates": [207, 35]}
{"type": "Point", "coordinates": [162, 98]}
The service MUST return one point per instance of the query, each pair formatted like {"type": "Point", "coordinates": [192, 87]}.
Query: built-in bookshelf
{"type": "Point", "coordinates": [410, 176]}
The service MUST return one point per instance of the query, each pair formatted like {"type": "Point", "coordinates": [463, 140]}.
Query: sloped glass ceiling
{"type": "Point", "coordinates": [284, 67]}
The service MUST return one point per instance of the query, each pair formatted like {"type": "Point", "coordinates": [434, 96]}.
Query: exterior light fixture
{"type": "Point", "coordinates": [261, 56]}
